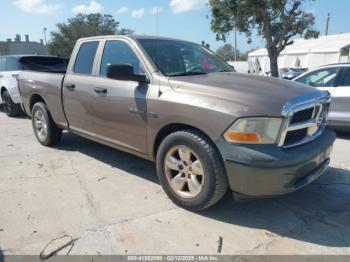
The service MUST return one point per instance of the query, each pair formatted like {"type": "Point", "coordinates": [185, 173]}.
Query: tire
{"type": "Point", "coordinates": [10, 108]}
{"type": "Point", "coordinates": [45, 130]}
{"type": "Point", "coordinates": [213, 181]}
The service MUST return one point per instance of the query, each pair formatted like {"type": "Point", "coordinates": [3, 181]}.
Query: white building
{"type": "Point", "coordinates": [309, 53]}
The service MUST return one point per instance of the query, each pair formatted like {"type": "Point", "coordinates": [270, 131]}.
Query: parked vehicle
{"type": "Point", "coordinates": [11, 66]}
{"type": "Point", "coordinates": [178, 104]}
{"type": "Point", "coordinates": [290, 73]}
{"type": "Point", "coordinates": [336, 80]}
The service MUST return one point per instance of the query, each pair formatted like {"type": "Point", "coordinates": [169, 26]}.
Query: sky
{"type": "Point", "coordinates": [184, 19]}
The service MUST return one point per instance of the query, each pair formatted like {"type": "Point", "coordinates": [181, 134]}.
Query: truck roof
{"type": "Point", "coordinates": [135, 37]}
{"type": "Point", "coordinates": [33, 55]}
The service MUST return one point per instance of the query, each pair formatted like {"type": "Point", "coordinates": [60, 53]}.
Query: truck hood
{"type": "Point", "coordinates": [258, 95]}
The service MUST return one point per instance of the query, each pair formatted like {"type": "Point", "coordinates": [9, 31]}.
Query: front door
{"type": "Point", "coordinates": [119, 108]}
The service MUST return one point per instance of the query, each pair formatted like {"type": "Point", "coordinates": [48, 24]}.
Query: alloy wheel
{"type": "Point", "coordinates": [40, 124]}
{"type": "Point", "coordinates": [184, 171]}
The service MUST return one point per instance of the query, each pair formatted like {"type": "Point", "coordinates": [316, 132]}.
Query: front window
{"type": "Point", "coordinates": [319, 78]}
{"type": "Point", "coordinates": [179, 58]}
{"type": "Point", "coordinates": [119, 52]}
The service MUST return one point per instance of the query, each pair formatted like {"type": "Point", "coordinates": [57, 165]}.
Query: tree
{"type": "Point", "coordinates": [311, 34]}
{"type": "Point", "coordinates": [63, 40]}
{"type": "Point", "coordinates": [226, 52]}
{"type": "Point", "coordinates": [277, 21]}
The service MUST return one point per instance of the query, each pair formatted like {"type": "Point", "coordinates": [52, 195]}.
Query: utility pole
{"type": "Point", "coordinates": [327, 23]}
{"type": "Point", "coordinates": [45, 35]}
{"type": "Point", "coordinates": [235, 40]}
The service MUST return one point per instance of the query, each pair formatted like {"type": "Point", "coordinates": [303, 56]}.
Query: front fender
{"type": "Point", "coordinates": [164, 113]}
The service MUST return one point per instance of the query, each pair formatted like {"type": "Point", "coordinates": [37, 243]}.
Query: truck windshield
{"type": "Point", "coordinates": [179, 58]}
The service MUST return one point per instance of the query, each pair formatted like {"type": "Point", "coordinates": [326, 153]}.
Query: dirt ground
{"type": "Point", "coordinates": [102, 201]}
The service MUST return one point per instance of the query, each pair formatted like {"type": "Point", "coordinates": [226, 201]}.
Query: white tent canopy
{"type": "Point", "coordinates": [309, 53]}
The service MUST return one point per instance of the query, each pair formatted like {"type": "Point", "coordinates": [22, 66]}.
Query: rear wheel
{"type": "Point", "coordinates": [10, 108]}
{"type": "Point", "coordinates": [191, 170]}
{"type": "Point", "coordinates": [45, 130]}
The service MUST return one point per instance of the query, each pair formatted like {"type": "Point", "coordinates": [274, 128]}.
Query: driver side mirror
{"type": "Point", "coordinates": [125, 72]}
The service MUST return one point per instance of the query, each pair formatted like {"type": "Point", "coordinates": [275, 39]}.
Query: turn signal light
{"type": "Point", "coordinates": [243, 137]}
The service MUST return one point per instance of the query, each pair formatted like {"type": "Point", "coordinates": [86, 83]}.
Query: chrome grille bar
{"type": "Point", "coordinates": [315, 126]}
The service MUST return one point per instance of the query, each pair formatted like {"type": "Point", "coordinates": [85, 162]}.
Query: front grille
{"type": "Point", "coordinates": [302, 116]}
{"type": "Point", "coordinates": [305, 119]}
{"type": "Point", "coordinates": [294, 137]}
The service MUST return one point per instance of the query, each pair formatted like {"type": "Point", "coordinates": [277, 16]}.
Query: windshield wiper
{"type": "Point", "coordinates": [189, 73]}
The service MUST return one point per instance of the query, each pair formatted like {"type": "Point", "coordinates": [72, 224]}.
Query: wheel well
{"type": "Point", "coordinates": [3, 89]}
{"type": "Point", "coordinates": [35, 99]}
{"type": "Point", "coordinates": [171, 128]}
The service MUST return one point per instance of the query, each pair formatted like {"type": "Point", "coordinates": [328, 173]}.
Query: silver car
{"type": "Point", "coordinates": [335, 79]}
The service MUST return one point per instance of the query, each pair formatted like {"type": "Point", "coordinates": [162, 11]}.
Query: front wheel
{"type": "Point", "coordinates": [191, 170]}
{"type": "Point", "coordinates": [45, 129]}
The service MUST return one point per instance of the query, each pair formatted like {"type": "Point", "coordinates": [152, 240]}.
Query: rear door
{"type": "Point", "coordinates": [341, 98]}
{"type": "Point", "coordinates": [119, 114]}
{"type": "Point", "coordinates": [78, 87]}
{"type": "Point", "coordinates": [323, 79]}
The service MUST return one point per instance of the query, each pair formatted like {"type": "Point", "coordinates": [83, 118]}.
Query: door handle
{"type": "Point", "coordinates": [100, 90]}
{"type": "Point", "coordinates": [70, 86]}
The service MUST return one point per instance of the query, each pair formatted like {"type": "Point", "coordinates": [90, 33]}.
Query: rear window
{"type": "Point", "coordinates": [44, 64]}
{"type": "Point", "coordinates": [12, 64]}
{"type": "Point", "coordinates": [85, 58]}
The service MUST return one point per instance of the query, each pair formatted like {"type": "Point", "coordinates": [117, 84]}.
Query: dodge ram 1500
{"type": "Point", "coordinates": [178, 104]}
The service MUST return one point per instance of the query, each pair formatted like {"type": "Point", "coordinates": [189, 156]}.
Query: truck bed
{"type": "Point", "coordinates": [46, 87]}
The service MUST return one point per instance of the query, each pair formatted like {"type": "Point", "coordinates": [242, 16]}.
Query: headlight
{"type": "Point", "coordinates": [254, 130]}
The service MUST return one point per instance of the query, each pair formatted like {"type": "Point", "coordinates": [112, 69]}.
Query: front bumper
{"type": "Point", "coordinates": [256, 171]}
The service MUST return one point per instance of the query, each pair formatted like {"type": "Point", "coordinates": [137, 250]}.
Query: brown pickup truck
{"type": "Point", "coordinates": [178, 104]}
